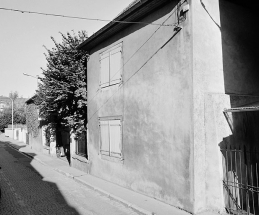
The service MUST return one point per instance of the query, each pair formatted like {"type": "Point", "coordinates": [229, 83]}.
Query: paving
{"type": "Point", "coordinates": [31, 183]}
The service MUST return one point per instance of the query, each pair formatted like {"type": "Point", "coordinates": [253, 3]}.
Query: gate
{"type": "Point", "coordinates": [240, 180]}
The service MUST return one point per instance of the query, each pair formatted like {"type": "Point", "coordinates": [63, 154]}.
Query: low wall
{"type": "Point", "coordinates": [17, 134]}
{"type": "Point", "coordinates": [8, 132]}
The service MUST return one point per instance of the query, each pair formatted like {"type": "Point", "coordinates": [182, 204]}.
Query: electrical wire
{"type": "Point", "coordinates": [170, 15]}
{"type": "Point", "coordinates": [84, 18]}
{"type": "Point", "coordinates": [179, 29]}
{"type": "Point", "coordinates": [203, 5]}
{"type": "Point", "coordinates": [93, 19]}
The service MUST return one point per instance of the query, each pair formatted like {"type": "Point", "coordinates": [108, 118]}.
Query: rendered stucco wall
{"type": "Point", "coordinates": [216, 129]}
{"type": "Point", "coordinates": [155, 101]}
{"type": "Point", "coordinates": [36, 141]}
{"type": "Point", "coordinates": [19, 133]}
{"type": "Point", "coordinates": [9, 132]}
{"type": "Point", "coordinates": [208, 104]}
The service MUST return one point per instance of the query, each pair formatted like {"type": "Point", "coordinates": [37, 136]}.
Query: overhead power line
{"type": "Point", "coordinates": [84, 18]}
{"type": "Point", "coordinates": [175, 33]}
{"type": "Point", "coordinates": [170, 15]}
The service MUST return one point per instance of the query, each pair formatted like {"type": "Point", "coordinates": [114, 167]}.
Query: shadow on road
{"type": "Point", "coordinates": [23, 189]}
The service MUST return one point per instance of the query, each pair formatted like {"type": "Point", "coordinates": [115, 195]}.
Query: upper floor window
{"type": "Point", "coordinates": [111, 66]}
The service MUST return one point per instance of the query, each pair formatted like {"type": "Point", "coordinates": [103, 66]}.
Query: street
{"type": "Point", "coordinates": [31, 188]}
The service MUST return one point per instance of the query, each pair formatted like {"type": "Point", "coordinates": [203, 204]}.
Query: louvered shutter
{"type": "Point", "coordinates": [105, 70]}
{"type": "Point", "coordinates": [115, 66]}
{"type": "Point", "coordinates": [105, 137]}
{"type": "Point", "coordinates": [115, 138]}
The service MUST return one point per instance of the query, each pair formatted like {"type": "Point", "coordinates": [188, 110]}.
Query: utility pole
{"type": "Point", "coordinates": [12, 118]}
{"type": "Point", "coordinates": [12, 114]}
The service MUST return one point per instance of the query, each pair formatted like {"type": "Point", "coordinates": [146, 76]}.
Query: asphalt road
{"type": "Point", "coordinates": [31, 188]}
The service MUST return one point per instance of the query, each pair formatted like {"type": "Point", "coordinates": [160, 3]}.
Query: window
{"type": "Point", "coordinates": [111, 137]}
{"type": "Point", "coordinates": [81, 145]}
{"type": "Point", "coordinates": [111, 66]}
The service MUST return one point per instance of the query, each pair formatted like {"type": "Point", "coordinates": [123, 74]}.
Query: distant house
{"type": "Point", "coordinates": [4, 103]}
{"type": "Point", "coordinates": [2, 106]}
{"type": "Point", "coordinates": [159, 78]}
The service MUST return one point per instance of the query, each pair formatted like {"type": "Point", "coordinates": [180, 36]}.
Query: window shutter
{"type": "Point", "coordinates": [115, 138]}
{"type": "Point", "coordinates": [105, 70]}
{"type": "Point", "coordinates": [105, 137]}
{"type": "Point", "coordinates": [115, 66]}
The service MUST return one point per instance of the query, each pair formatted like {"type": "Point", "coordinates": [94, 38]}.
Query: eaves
{"type": "Point", "coordinates": [134, 13]}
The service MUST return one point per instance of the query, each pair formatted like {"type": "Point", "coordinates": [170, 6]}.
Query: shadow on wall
{"type": "Point", "coordinates": [240, 163]}
{"type": "Point", "coordinates": [240, 46]}
{"type": "Point", "coordinates": [63, 143]}
{"type": "Point", "coordinates": [32, 194]}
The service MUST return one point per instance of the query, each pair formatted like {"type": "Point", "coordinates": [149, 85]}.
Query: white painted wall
{"type": "Point", "coordinates": [17, 134]}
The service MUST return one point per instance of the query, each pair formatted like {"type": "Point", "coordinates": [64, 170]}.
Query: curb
{"type": "Point", "coordinates": [78, 180]}
{"type": "Point", "coordinates": [116, 198]}
{"type": "Point", "coordinates": [28, 155]}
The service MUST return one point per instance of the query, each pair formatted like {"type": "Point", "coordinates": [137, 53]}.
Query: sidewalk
{"type": "Point", "coordinates": [141, 203]}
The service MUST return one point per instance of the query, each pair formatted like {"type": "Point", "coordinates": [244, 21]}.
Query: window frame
{"type": "Point", "coordinates": [86, 149]}
{"type": "Point", "coordinates": [107, 54]}
{"type": "Point", "coordinates": [111, 155]}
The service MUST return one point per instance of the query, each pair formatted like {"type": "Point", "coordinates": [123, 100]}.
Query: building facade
{"type": "Point", "coordinates": [158, 84]}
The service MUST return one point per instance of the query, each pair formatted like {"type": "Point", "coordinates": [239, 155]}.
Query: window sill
{"type": "Point", "coordinates": [80, 158]}
{"type": "Point", "coordinates": [113, 159]}
{"type": "Point", "coordinates": [110, 87]}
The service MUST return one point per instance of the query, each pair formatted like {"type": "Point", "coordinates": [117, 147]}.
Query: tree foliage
{"type": "Point", "coordinates": [13, 95]}
{"type": "Point", "coordinates": [62, 89]}
{"type": "Point", "coordinates": [32, 119]}
{"type": "Point", "coordinates": [19, 115]}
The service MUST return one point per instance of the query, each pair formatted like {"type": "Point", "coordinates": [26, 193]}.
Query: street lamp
{"type": "Point", "coordinates": [12, 116]}
{"type": "Point", "coordinates": [37, 77]}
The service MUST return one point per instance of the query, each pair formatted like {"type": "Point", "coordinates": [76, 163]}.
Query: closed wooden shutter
{"type": "Point", "coordinates": [105, 70]}
{"type": "Point", "coordinates": [115, 66]}
{"type": "Point", "coordinates": [115, 138]}
{"type": "Point", "coordinates": [105, 137]}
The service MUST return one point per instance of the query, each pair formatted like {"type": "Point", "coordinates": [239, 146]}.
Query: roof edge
{"type": "Point", "coordinates": [31, 99]}
{"type": "Point", "coordinates": [135, 11]}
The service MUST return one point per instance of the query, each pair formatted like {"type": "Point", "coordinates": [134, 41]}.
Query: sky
{"type": "Point", "coordinates": [23, 36]}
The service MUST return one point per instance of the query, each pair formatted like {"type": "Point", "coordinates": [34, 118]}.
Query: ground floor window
{"type": "Point", "coordinates": [111, 137]}
{"type": "Point", "coordinates": [81, 146]}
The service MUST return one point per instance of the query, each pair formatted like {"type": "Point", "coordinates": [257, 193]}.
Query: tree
{"type": "Point", "coordinates": [13, 95]}
{"type": "Point", "coordinates": [62, 89]}
{"type": "Point", "coordinates": [19, 115]}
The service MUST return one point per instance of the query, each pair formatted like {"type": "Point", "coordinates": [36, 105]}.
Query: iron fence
{"type": "Point", "coordinates": [240, 180]}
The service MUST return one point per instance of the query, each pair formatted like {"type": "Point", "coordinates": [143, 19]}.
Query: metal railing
{"type": "Point", "coordinates": [240, 180]}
